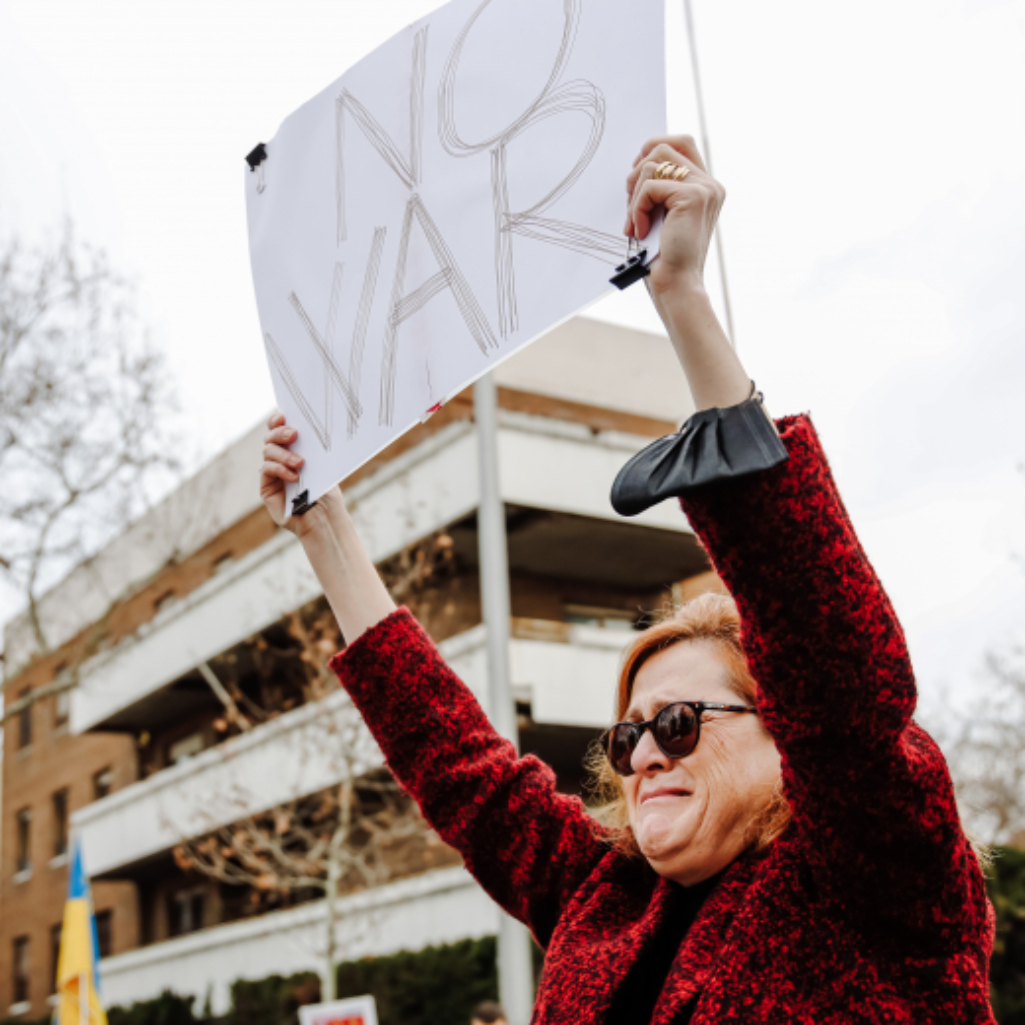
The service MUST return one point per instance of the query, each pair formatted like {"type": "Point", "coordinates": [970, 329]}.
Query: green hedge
{"type": "Point", "coordinates": [167, 1009]}
{"type": "Point", "coordinates": [1006, 885]}
{"type": "Point", "coordinates": [272, 1001]}
{"type": "Point", "coordinates": [433, 986]}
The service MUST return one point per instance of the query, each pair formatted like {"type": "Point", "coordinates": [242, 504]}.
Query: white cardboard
{"type": "Point", "coordinates": [449, 199]}
{"type": "Point", "coordinates": [354, 1011]}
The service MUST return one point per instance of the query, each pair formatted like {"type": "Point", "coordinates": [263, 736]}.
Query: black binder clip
{"type": "Point", "coordinates": [301, 504]}
{"type": "Point", "coordinates": [257, 157]}
{"type": "Point", "coordinates": [632, 271]}
{"type": "Point", "coordinates": [255, 161]}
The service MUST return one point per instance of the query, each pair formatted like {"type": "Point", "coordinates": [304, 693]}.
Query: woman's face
{"type": "Point", "coordinates": [690, 815]}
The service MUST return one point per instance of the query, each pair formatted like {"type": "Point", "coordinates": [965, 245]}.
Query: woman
{"type": "Point", "coordinates": [785, 845]}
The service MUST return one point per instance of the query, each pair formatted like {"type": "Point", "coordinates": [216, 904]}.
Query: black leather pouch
{"type": "Point", "coordinates": [713, 446]}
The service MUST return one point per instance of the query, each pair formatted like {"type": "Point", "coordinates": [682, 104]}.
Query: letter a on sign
{"type": "Point", "coordinates": [444, 203]}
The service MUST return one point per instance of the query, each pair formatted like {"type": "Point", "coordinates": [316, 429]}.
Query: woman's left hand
{"type": "Point", "coordinates": [691, 211]}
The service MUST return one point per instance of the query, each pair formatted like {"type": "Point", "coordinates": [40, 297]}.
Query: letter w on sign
{"type": "Point", "coordinates": [444, 203]}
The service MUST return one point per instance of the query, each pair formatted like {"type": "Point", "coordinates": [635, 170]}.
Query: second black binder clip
{"type": "Point", "coordinates": [635, 268]}
{"type": "Point", "coordinates": [255, 161]}
{"type": "Point", "coordinates": [301, 504]}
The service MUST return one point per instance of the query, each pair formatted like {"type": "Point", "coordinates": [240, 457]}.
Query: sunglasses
{"type": "Point", "coordinates": [676, 730]}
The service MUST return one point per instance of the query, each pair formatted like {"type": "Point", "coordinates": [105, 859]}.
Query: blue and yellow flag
{"type": "Point", "coordinates": [78, 973]}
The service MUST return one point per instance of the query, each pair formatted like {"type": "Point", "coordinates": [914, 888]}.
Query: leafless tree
{"type": "Point", "coordinates": [358, 834]}
{"type": "Point", "coordinates": [423, 576]}
{"type": "Point", "coordinates": [288, 673]}
{"type": "Point", "coordinates": [84, 413]}
{"type": "Point", "coordinates": [294, 670]}
{"type": "Point", "coordinates": [984, 741]}
{"type": "Point", "coordinates": [354, 836]}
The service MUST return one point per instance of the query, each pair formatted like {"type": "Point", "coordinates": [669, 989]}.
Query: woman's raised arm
{"type": "Point", "coordinates": [350, 581]}
{"type": "Point", "coordinates": [867, 787]}
{"type": "Point", "coordinates": [529, 846]}
{"type": "Point", "coordinates": [676, 282]}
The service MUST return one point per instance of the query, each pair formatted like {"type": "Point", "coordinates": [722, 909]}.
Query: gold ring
{"type": "Point", "coordinates": [668, 171]}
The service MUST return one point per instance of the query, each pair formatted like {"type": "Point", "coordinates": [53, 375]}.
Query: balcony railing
{"type": "Point", "coordinates": [566, 673]}
{"type": "Point", "coordinates": [438, 907]}
{"type": "Point", "coordinates": [546, 464]}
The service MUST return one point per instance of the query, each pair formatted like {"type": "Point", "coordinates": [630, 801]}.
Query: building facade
{"type": "Point", "coordinates": [199, 699]}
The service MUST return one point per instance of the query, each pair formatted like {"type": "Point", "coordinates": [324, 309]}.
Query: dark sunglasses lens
{"type": "Point", "coordinates": [619, 746]}
{"type": "Point", "coordinates": [676, 730]}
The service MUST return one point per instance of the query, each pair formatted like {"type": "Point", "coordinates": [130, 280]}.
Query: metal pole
{"type": "Point", "coordinates": [706, 146]}
{"type": "Point", "coordinates": [515, 973]}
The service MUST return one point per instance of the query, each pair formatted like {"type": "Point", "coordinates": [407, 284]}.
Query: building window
{"type": "Point", "coordinates": [24, 839]}
{"type": "Point", "coordinates": [61, 709]}
{"type": "Point", "coordinates": [55, 954]}
{"type": "Point", "coordinates": [187, 747]}
{"type": "Point", "coordinates": [25, 720]}
{"type": "Point", "coordinates": [595, 615]}
{"type": "Point", "coordinates": [20, 965]}
{"type": "Point", "coordinates": [105, 931]}
{"type": "Point", "coordinates": [103, 783]}
{"type": "Point", "coordinates": [60, 823]}
{"type": "Point", "coordinates": [186, 912]}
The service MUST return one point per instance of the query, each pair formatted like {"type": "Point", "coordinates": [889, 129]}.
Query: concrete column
{"type": "Point", "coordinates": [515, 974]}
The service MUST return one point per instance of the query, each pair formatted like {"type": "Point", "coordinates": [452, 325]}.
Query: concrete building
{"type": "Point", "coordinates": [139, 756]}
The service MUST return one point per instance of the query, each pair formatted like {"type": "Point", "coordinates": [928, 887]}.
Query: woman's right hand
{"type": "Point", "coordinates": [676, 282]}
{"type": "Point", "coordinates": [281, 467]}
{"type": "Point", "coordinates": [691, 210]}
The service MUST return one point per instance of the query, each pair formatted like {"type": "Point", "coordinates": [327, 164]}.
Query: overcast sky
{"type": "Point", "coordinates": [874, 156]}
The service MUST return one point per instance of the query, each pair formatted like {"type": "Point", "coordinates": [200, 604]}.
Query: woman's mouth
{"type": "Point", "coordinates": [663, 792]}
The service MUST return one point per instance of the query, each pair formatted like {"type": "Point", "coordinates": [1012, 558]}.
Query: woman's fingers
{"type": "Point", "coordinates": [279, 467]}
{"type": "Point", "coordinates": [704, 196]}
{"type": "Point", "coordinates": [281, 436]}
{"type": "Point", "coordinates": [660, 155]}
{"type": "Point", "coordinates": [652, 193]}
{"type": "Point", "coordinates": [682, 144]}
{"type": "Point", "coordinates": [277, 454]}
{"type": "Point", "coordinates": [646, 171]}
{"type": "Point", "coordinates": [278, 432]}
{"type": "Point", "coordinates": [272, 471]}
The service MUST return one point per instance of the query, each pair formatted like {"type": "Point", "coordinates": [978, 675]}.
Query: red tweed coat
{"type": "Point", "coordinates": [871, 909]}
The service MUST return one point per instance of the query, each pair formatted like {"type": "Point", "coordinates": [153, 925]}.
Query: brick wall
{"type": "Point", "coordinates": [32, 901]}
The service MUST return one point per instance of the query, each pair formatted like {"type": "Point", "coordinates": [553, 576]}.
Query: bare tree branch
{"type": "Point", "coordinates": [357, 834]}
{"type": "Point", "coordinates": [84, 408]}
{"type": "Point", "coordinates": [984, 743]}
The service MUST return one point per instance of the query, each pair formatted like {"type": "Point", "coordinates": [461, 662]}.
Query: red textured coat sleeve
{"type": "Point", "coordinates": [529, 846]}
{"type": "Point", "coordinates": [872, 798]}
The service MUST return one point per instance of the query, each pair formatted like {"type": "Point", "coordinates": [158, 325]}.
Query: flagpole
{"type": "Point", "coordinates": [706, 146]}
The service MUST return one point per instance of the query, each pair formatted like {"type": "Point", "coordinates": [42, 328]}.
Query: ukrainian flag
{"type": "Point", "coordinates": [78, 974]}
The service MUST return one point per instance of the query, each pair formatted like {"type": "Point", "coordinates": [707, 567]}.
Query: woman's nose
{"type": "Point", "coordinates": [647, 757]}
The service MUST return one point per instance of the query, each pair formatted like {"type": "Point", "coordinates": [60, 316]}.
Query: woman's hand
{"type": "Point", "coordinates": [691, 211]}
{"type": "Point", "coordinates": [351, 584]}
{"type": "Point", "coordinates": [676, 282]}
{"type": "Point", "coordinates": [281, 466]}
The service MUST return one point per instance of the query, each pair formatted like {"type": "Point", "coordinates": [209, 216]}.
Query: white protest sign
{"type": "Point", "coordinates": [354, 1011]}
{"type": "Point", "coordinates": [453, 196]}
